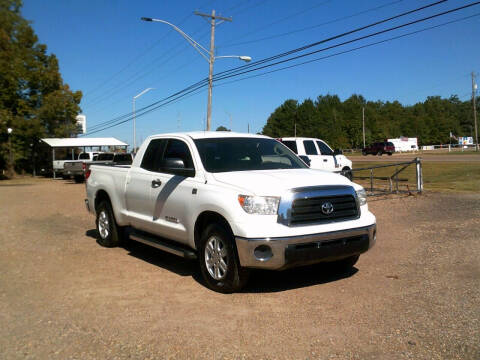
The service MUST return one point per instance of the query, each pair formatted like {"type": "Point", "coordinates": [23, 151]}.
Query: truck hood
{"type": "Point", "coordinates": [275, 182]}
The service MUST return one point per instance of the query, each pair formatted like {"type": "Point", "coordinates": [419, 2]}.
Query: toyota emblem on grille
{"type": "Point", "coordinates": [327, 208]}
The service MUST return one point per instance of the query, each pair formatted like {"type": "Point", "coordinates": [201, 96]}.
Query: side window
{"type": "Point", "coordinates": [179, 150]}
{"type": "Point", "coordinates": [153, 155]}
{"type": "Point", "coordinates": [292, 145]}
{"type": "Point", "coordinates": [310, 148]}
{"type": "Point", "coordinates": [324, 148]}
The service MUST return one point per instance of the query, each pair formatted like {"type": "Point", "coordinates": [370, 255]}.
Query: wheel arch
{"type": "Point", "coordinates": [101, 195]}
{"type": "Point", "coordinates": [204, 219]}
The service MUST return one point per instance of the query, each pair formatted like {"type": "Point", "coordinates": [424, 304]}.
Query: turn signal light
{"type": "Point", "coordinates": [87, 174]}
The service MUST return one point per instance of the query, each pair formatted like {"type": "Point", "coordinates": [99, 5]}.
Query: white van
{"type": "Point", "coordinates": [319, 154]}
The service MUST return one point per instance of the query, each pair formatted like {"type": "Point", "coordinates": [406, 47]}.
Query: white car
{"type": "Point", "coordinates": [318, 154]}
{"type": "Point", "coordinates": [232, 201]}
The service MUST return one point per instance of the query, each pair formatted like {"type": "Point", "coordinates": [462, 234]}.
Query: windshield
{"type": "Point", "coordinates": [243, 154]}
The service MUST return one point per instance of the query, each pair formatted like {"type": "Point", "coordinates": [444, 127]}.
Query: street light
{"type": "Point", "coordinates": [10, 160]}
{"type": "Point", "coordinates": [207, 55]}
{"type": "Point", "coordinates": [134, 127]}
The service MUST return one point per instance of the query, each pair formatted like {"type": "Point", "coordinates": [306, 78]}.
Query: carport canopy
{"type": "Point", "coordinates": [82, 142]}
{"type": "Point", "coordinates": [55, 143]}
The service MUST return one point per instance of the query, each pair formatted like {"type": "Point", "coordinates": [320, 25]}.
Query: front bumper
{"type": "Point", "coordinates": [284, 252]}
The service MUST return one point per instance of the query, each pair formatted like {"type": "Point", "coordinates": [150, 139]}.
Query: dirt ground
{"type": "Point", "coordinates": [415, 295]}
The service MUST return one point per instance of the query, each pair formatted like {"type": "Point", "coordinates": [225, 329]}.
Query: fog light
{"type": "Point", "coordinates": [263, 253]}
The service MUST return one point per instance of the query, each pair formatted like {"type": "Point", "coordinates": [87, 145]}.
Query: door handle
{"type": "Point", "coordinates": [156, 183]}
{"type": "Point", "coordinates": [325, 160]}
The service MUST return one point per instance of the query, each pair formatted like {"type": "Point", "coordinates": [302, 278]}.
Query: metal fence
{"type": "Point", "coordinates": [397, 178]}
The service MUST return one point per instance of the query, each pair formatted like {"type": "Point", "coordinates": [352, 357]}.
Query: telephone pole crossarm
{"type": "Point", "coordinates": [213, 16]}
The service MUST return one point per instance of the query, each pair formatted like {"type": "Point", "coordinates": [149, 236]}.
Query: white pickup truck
{"type": "Point", "coordinates": [318, 155]}
{"type": "Point", "coordinates": [234, 202]}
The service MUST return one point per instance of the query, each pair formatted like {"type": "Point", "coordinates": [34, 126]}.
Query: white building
{"type": "Point", "coordinates": [82, 121]}
{"type": "Point", "coordinates": [404, 144]}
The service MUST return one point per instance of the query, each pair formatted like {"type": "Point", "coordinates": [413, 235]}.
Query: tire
{"type": "Point", "coordinates": [364, 153]}
{"type": "Point", "coordinates": [109, 234]}
{"type": "Point", "coordinates": [65, 177]}
{"type": "Point", "coordinates": [380, 153]}
{"type": "Point", "coordinates": [78, 178]}
{"type": "Point", "coordinates": [219, 262]}
{"type": "Point", "coordinates": [346, 171]}
{"type": "Point", "coordinates": [389, 154]}
{"type": "Point", "coordinates": [344, 264]}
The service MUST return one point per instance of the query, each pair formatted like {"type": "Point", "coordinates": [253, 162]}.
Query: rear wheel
{"type": "Point", "coordinates": [380, 153]}
{"type": "Point", "coordinates": [364, 153]}
{"type": "Point", "coordinates": [78, 178]}
{"type": "Point", "coordinates": [219, 262]}
{"type": "Point", "coordinates": [109, 233]}
{"type": "Point", "coordinates": [389, 154]}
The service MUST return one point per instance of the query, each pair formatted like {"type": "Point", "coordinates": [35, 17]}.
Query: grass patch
{"type": "Point", "coordinates": [437, 176]}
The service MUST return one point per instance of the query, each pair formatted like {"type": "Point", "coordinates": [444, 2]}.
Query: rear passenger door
{"type": "Point", "coordinates": [312, 152]}
{"type": "Point", "coordinates": [139, 185]}
{"type": "Point", "coordinates": [172, 194]}
{"type": "Point", "coordinates": [326, 154]}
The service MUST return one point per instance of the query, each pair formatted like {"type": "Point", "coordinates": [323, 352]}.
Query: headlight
{"type": "Point", "coordinates": [362, 196]}
{"type": "Point", "coordinates": [261, 205]}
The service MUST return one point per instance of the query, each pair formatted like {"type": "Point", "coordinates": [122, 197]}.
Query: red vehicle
{"type": "Point", "coordinates": [379, 148]}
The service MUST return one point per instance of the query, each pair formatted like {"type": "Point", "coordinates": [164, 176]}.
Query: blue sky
{"type": "Point", "coordinates": [108, 53]}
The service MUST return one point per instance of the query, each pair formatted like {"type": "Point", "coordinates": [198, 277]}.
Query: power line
{"type": "Point", "coordinates": [202, 83]}
{"type": "Point", "coordinates": [271, 58]}
{"type": "Point", "coordinates": [312, 26]}
{"type": "Point", "coordinates": [352, 50]}
{"type": "Point", "coordinates": [285, 18]}
{"type": "Point", "coordinates": [133, 61]}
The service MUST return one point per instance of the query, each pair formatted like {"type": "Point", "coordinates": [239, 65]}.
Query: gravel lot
{"type": "Point", "coordinates": [415, 295]}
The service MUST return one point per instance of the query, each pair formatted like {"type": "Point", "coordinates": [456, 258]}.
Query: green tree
{"type": "Point", "coordinates": [34, 100]}
{"type": "Point", "coordinates": [222, 128]}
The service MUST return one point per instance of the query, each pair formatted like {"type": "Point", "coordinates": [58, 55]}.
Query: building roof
{"type": "Point", "coordinates": [83, 142]}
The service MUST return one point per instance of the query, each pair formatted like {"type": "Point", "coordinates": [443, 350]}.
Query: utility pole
{"type": "Point", "coordinates": [213, 23]}
{"type": "Point", "coordinates": [363, 122]}
{"type": "Point", "coordinates": [474, 90]}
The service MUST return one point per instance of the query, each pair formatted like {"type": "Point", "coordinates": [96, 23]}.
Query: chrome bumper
{"type": "Point", "coordinates": [283, 252]}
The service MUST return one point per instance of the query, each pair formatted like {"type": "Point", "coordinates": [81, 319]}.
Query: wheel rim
{"type": "Point", "coordinates": [103, 224]}
{"type": "Point", "coordinates": [216, 258]}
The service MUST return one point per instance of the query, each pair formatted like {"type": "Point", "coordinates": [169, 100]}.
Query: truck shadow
{"type": "Point", "coordinates": [264, 281]}
{"type": "Point", "coordinates": [261, 281]}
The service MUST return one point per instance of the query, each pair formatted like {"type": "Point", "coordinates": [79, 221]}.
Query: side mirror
{"type": "Point", "coordinates": [305, 159]}
{"type": "Point", "coordinates": [176, 166]}
{"type": "Point", "coordinates": [338, 152]}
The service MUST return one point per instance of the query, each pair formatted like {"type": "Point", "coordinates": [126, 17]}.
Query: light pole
{"type": "Point", "coordinates": [10, 160]}
{"type": "Point", "coordinates": [207, 55]}
{"type": "Point", "coordinates": [134, 125]}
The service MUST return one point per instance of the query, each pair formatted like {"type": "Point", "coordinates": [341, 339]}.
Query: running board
{"type": "Point", "coordinates": [163, 245]}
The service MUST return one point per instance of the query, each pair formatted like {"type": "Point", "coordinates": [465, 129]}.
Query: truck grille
{"type": "Point", "coordinates": [323, 209]}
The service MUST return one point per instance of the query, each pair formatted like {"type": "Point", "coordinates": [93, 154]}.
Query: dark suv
{"type": "Point", "coordinates": [379, 148]}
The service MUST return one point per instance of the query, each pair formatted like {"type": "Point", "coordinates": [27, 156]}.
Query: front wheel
{"type": "Point", "coordinates": [109, 233]}
{"type": "Point", "coordinates": [219, 262]}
